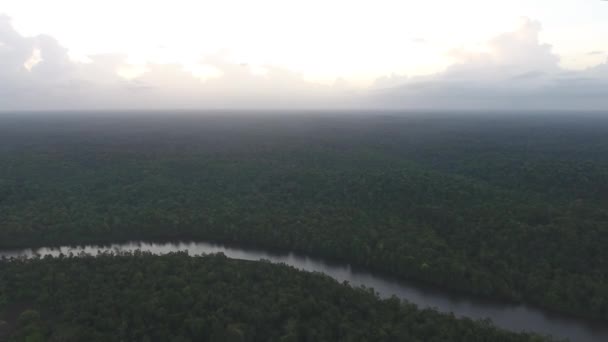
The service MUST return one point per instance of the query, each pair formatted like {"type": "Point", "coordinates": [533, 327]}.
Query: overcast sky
{"type": "Point", "coordinates": [467, 54]}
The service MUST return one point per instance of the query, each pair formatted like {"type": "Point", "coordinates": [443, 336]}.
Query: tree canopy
{"type": "Point", "coordinates": [177, 297]}
{"type": "Point", "coordinates": [499, 206]}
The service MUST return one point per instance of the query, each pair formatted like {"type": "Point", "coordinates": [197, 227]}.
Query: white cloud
{"type": "Point", "coordinates": [34, 59]}
{"type": "Point", "coordinates": [512, 71]}
{"type": "Point", "coordinates": [37, 73]}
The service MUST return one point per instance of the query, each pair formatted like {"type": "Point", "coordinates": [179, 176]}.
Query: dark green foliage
{"type": "Point", "coordinates": [176, 297]}
{"type": "Point", "coordinates": [497, 206]}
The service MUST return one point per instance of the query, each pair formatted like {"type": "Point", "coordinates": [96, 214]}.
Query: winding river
{"type": "Point", "coordinates": [515, 317]}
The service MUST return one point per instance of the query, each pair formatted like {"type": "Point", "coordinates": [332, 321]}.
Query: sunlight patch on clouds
{"type": "Point", "coordinates": [131, 71]}
{"type": "Point", "coordinates": [258, 70]}
{"type": "Point", "coordinates": [204, 72]}
{"type": "Point", "coordinates": [34, 59]}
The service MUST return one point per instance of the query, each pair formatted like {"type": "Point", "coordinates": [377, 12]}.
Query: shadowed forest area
{"type": "Point", "coordinates": [501, 205]}
{"type": "Point", "coordinates": [176, 297]}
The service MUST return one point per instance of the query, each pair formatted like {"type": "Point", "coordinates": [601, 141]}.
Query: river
{"type": "Point", "coordinates": [515, 317]}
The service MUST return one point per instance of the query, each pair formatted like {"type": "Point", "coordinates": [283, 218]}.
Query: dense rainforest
{"type": "Point", "coordinates": [503, 205]}
{"type": "Point", "coordinates": [177, 297]}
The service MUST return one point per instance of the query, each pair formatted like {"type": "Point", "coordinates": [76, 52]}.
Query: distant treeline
{"type": "Point", "coordinates": [507, 207]}
{"type": "Point", "coordinates": [176, 297]}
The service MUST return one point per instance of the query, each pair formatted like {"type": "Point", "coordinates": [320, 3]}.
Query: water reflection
{"type": "Point", "coordinates": [508, 316]}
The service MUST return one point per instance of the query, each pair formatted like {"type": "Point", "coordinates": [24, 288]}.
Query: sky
{"type": "Point", "coordinates": [433, 54]}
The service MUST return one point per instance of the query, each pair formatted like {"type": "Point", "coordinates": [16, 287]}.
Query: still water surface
{"type": "Point", "coordinates": [515, 317]}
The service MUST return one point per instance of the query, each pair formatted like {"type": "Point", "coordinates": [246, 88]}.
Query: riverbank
{"type": "Point", "coordinates": [514, 317]}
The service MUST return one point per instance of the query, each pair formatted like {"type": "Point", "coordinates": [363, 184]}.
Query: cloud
{"type": "Point", "coordinates": [389, 81]}
{"type": "Point", "coordinates": [514, 71]}
{"type": "Point", "coordinates": [54, 81]}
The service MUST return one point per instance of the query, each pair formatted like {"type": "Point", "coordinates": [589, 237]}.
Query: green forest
{"type": "Point", "coordinates": [507, 206]}
{"type": "Point", "coordinates": [177, 297]}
